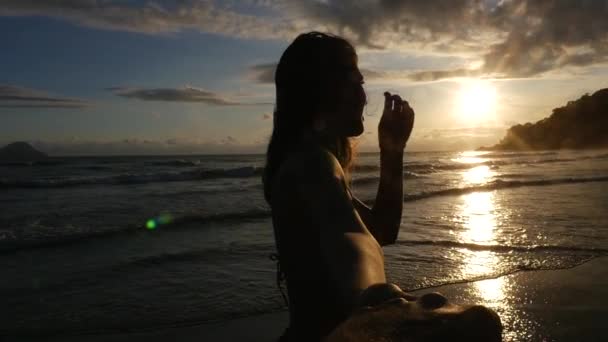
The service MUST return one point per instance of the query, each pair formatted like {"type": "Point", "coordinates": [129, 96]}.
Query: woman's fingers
{"type": "Point", "coordinates": [397, 103]}
{"type": "Point", "coordinates": [392, 102]}
{"type": "Point", "coordinates": [388, 102]}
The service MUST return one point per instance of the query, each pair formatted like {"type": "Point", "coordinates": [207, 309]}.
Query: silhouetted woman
{"type": "Point", "coordinates": [327, 240]}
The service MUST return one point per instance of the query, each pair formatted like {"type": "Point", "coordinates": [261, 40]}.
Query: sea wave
{"type": "Point", "coordinates": [203, 221]}
{"type": "Point", "coordinates": [189, 221]}
{"type": "Point", "coordinates": [374, 179]}
{"type": "Point", "coordinates": [505, 248]}
{"type": "Point", "coordinates": [500, 155]}
{"type": "Point", "coordinates": [96, 168]}
{"type": "Point", "coordinates": [501, 184]}
{"type": "Point", "coordinates": [568, 256]}
{"type": "Point", "coordinates": [45, 162]}
{"type": "Point", "coordinates": [241, 250]}
{"type": "Point", "coordinates": [127, 178]}
{"type": "Point", "coordinates": [175, 162]}
{"type": "Point", "coordinates": [261, 250]}
{"type": "Point", "coordinates": [517, 154]}
{"type": "Point", "coordinates": [494, 162]}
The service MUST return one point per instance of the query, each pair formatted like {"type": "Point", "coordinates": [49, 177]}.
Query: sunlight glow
{"type": "Point", "coordinates": [476, 101]}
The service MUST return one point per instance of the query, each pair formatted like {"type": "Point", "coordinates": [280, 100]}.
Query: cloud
{"type": "Point", "coordinates": [433, 75]}
{"type": "Point", "coordinates": [185, 94]}
{"type": "Point", "coordinates": [153, 17]}
{"type": "Point", "coordinates": [507, 38]}
{"type": "Point", "coordinates": [12, 96]}
{"type": "Point", "coordinates": [547, 35]}
{"type": "Point", "coordinates": [262, 73]}
{"type": "Point", "coordinates": [369, 74]}
{"type": "Point", "coordinates": [383, 23]}
{"type": "Point", "coordinates": [229, 140]}
{"type": "Point", "coordinates": [510, 38]}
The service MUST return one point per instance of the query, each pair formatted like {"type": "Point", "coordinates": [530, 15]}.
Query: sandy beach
{"type": "Point", "coordinates": [553, 305]}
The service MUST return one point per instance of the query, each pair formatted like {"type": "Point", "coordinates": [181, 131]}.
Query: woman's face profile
{"type": "Point", "coordinates": [347, 120]}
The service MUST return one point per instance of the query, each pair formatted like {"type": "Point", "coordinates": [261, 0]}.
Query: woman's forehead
{"type": "Point", "coordinates": [352, 70]}
{"type": "Point", "coordinates": [349, 68]}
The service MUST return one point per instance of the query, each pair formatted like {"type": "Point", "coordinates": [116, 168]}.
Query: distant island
{"type": "Point", "coordinates": [20, 152]}
{"type": "Point", "coordinates": [581, 124]}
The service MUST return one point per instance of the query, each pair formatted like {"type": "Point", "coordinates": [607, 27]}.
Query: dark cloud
{"type": "Point", "coordinates": [20, 97]}
{"type": "Point", "coordinates": [186, 94]}
{"type": "Point", "coordinates": [547, 35]}
{"type": "Point", "coordinates": [152, 17]}
{"type": "Point", "coordinates": [511, 38]}
{"type": "Point", "coordinates": [382, 23]}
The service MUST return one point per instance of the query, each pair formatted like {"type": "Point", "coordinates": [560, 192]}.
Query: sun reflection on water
{"type": "Point", "coordinates": [478, 175]}
{"type": "Point", "coordinates": [491, 290]}
{"type": "Point", "coordinates": [478, 216]}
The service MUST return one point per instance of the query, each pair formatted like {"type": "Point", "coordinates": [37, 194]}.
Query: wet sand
{"type": "Point", "coordinates": [551, 305]}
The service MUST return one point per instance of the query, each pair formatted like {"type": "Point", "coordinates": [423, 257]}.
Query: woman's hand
{"type": "Point", "coordinates": [396, 123]}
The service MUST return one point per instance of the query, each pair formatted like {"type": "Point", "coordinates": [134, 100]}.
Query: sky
{"type": "Point", "coordinates": [99, 77]}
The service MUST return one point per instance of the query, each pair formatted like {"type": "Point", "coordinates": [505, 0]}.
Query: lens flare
{"type": "Point", "coordinates": [151, 224]}
{"type": "Point", "coordinates": [162, 219]}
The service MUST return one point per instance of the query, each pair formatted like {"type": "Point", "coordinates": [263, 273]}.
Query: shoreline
{"type": "Point", "coordinates": [538, 305]}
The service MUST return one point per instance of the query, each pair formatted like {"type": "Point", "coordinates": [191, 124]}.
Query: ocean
{"type": "Point", "coordinates": [92, 245]}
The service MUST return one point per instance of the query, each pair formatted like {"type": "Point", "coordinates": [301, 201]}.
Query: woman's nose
{"type": "Point", "coordinates": [432, 300]}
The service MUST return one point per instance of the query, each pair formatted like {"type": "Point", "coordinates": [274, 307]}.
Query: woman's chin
{"type": "Point", "coordinates": [350, 128]}
{"type": "Point", "coordinates": [357, 129]}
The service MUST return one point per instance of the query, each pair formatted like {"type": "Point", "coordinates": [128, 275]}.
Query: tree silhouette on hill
{"type": "Point", "coordinates": [578, 125]}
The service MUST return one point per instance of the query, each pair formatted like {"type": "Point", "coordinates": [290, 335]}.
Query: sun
{"type": "Point", "coordinates": [476, 101]}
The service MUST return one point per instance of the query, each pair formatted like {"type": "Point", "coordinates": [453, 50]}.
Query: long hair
{"type": "Point", "coordinates": [304, 80]}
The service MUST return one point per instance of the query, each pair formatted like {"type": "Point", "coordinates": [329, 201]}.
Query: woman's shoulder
{"type": "Point", "coordinates": [294, 179]}
{"type": "Point", "coordinates": [306, 171]}
{"type": "Point", "coordinates": [311, 162]}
